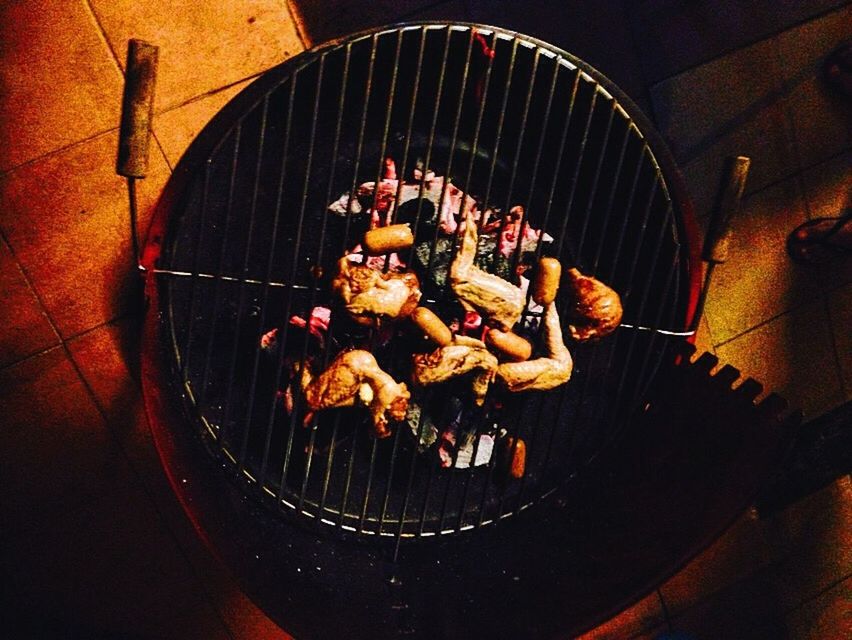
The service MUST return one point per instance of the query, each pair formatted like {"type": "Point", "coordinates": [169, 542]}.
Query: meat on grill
{"type": "Point", "coordinates": [371, 295]}
{"type": "Point", "coordinates": [542, 373]}
{"type": "Point", "coordinates": [355, 377]}
{"type": "Point", "coordinates": [480, 291]}
{"type": "Point", "coordinates": [594, 310]}
{"type": "Point", "coordinates": [464, 355]}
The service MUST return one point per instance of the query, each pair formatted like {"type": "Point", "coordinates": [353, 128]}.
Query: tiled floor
{"type": "Point", "coordinates": [99, 545]}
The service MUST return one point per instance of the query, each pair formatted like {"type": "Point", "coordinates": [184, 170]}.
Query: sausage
{"type": "Point", "coordinates": [510, 344]}
{"type": "Point", "coordinates": [395, 237]}
{"type": "Point", "coordinates": [432, 326]}
{"type": "Point", "coordinates": [546, 280]}
{"type": "Point", "coordinates": [518, 463]}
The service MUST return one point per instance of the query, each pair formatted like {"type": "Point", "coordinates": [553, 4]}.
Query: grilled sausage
{"type": "Point", "coordinates": [432, 326]}
{"type": "Point", "coordinates": [383, 240]}
{"type": "Point", "coordinates": [546, 280]}
{"type": "Point", "coordinates": [518, 463]}
{"type": "Point", "coordinates": [510, 344]}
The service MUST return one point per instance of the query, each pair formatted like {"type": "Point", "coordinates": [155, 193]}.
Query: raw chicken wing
{"type": "Point", "coordinates": [542, 373]}
{"type": "Point", "coordinates": [464, 355]}
{"type": "Point", "coordinates": [480, 291]}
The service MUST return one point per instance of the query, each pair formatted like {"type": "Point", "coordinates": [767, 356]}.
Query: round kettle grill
{"type": "Point", "coordinates": [242, 241]}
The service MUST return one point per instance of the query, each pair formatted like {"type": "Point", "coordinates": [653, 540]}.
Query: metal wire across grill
{"type": "Point", "coordinates": [511, 121]}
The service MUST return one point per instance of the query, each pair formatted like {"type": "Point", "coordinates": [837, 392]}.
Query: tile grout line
{"type": "Point", "coordinates": [102, 34]}
{"type": "Point", "coordinates": [766, 321]}
{"type": "Point", "coordinates": [10, 170]}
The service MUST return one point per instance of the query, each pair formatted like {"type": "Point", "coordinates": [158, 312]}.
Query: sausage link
{"type": "Point", "coordinates": [383, 240]}
{"type": "Point", "coordinates": [546, 280]}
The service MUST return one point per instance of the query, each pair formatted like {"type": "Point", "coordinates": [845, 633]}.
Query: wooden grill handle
{"type": "Point", "coordinates": [718, 237]}
{"type": "Point", "coordinates": [137, 109]}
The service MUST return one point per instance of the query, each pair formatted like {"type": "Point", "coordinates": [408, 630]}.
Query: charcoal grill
{"type": "Point", "coordinates": [242, 240]}
{"type": "Point", "coordinates": [505, 117]}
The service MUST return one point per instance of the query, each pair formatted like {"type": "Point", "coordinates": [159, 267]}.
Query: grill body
{"type": "Point", "coordinates": [511, 121]}
{"type": "Point", "coordinates": [616, 496]}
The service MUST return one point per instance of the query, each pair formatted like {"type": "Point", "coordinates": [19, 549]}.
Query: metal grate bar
{"type": "Point", "coordinates": [518, 145]}
{"type": "Point", "coordinates": [328, 195]}
{"type": "Point", "coordinates": [534, 178]}
{"type": "Point", "coordinates": [242, 289]}
{"type": "Point", "coordinates": [432, 129]}
{"type": "Point", "coordinates": [501, 120]}
{"type": "Point", "coordinates": [594, 188]}
{"type": "Point", "coordinates": [297, 393]}
{"type": "Point", "coordinates": [414, 456]}
{"type": "Point", "coordinates": [453, 143]}
{"type": "Point", "coordinates": [607, 217]}
{"type": "Point", "coordinates": [217, 295]}
{"type": "Point", "coordinates": [193, 298]}
{"type": "Point", "coordinates": [576, 175]}
{"type": "Point", "coordinates": [382, 154]}
{"type": "Point", "coordinates": [282, 173]}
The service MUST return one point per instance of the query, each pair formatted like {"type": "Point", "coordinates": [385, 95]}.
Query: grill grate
{"type": "Point", "coordinates": [510, 120]}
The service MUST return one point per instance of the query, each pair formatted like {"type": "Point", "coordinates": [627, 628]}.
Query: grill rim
{"type": "Point", "coordinates": [223, 123]}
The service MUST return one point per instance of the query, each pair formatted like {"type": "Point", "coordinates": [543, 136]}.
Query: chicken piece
{"type": "Point", "coordinates": [594, 310]}
{"type": "Point", "coordinates": [480, 291]}
{"type": "Point", "coordinates": [542, 373]}
{"type": "Point", "coordinates": [355, 377]}
{"type": "Point", "coordinates": [371, 295]}
{"type": "Point", "coordinates": [464, 355]}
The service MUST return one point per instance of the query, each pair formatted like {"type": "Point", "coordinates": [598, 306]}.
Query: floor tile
{"type": "Point", "coordinates": [822, 121]}
{"type": "Point", "coordinates": [792, 355]}
{"type": "Point", "coordinates": [178, 127]}
{"type": "Point", "coordinates": [828, 193]}
{"type": "Point", "coordinates": [748, 609]}
{"type": "Point", "coordinates": [53, 453]}
{"type": "Point", "coordinates": [323, 21]}
{"type": "Point", "coordinates": [25, 328]}
{"type": "Point", "coordinates": [840, 312]}
{"type": "Point", "coordinates": [642, 616]}
{"type": "Point", "coordinates": [66, 218]}
{"type": "Point", "coordinates": [579, 28]}
{"type": "Point", "coordinates": [82, 542]}
{"type": "Point", "coordinates": [759, 281]}
{"type": "Point", "coordinates": [731, 106]}
{"type": "Point", "coordinates": [811, 543]}
{"type": "Point", "coordinates": [59, 80]}
{"type": "Point", "coordinates": [203, 45]}
{"type": "Point", "coordinates": [736, 554]}
{"type": "Point", "coordinates": [827, 616]}
{"type": "Point", "coordinates": [108, 358]}
{"type": "Point", "coordinates": [675, 35]}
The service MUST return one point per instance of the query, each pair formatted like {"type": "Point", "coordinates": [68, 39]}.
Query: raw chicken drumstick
{"type": "Point", "coordinates": [463, 355]}
{"type": "Point", "coordinates": [541, 373]}
{"type": "Point", "coordinates": [355, 376]}
{"type": "Point", "coordinates": [594, 310]}
{"type": "Point", "coordinates": [480, 291]}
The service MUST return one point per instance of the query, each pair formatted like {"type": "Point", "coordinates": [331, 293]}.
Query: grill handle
{"type": "Point", "coordinates": [718, 238]}
{"type": "Point", "coordinates": [134, 136]}
{"type": "Point", "coordinates": [137, 109]}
